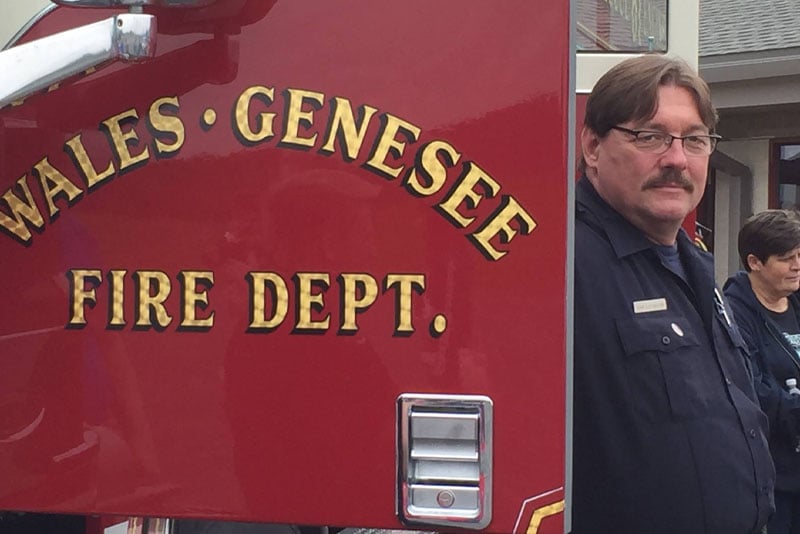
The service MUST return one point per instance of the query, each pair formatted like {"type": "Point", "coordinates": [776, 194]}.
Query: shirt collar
{"type": "Point", "coordinates": [624, 237]}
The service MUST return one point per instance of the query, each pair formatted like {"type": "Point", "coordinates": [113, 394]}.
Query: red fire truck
{"type": "Point", "coordinates": [290, 262]}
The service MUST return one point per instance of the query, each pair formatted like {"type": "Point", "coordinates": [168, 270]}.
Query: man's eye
{"type": "Point", "coordinates": [647, 137]}
{"type": "Point", "coordinates": [697, 140]}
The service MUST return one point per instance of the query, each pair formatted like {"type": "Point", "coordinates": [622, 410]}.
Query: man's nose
{"type": "Point", "coordinates": [675, 156]}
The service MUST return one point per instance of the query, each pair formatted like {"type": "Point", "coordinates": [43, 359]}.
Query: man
{"type": "Point", "coordinates": [668, 437]}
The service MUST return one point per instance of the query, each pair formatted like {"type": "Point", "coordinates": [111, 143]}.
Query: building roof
{"type": "Point", "coordinates": [740, 26]}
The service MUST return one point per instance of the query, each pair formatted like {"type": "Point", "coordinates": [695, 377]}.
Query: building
{"type": "Point", "coordinates": [750, 55]}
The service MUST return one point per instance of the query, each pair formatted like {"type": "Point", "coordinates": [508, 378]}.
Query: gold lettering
{"type": "Point", "coordinates": [263, 121]}
{"type": "Point", "coordinates": [121, 139]}
{"type": "Point", "coordinates": [387, 143]}
{"type": "Point", "coordinates": [343, 122]}
{"type": "Point", "coordinates": [431, 168]}
{"type": "Point", "coordinates": [280, 300]}
{"type": "Point", "coordinates": [80, 296]}
{"type": "Point", "coordinates": [21, 211]}
{"type": "Point", "coordinates": [170, 124]}
{"type": "Point", "coordinates": [354, 284]}
{"type": "Point", "coordinates": [295, 116]}
{"type": "Point", "coordinates": [116, 295]}
{"type": "Point", "coordinates": [151, 306]}
{"type": "Point", "coordinates": [192, 298]}
{"type": "Point", "coordinates": [406, 283]}
{"type": "Point", "coordinates": [509, 210]}
{"type": "Point", "coordinates": [465, 192]}
{"type": "Point", "coordinates": [79, 154]}
{"type": "Point", "coordinates": [48, 175]}
{"type": "Point", "coordinates": [307, 300]}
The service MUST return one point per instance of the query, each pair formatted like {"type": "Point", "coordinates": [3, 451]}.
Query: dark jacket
{"type": "Point", "coordinates": [774, 360]}
{"type": "Point", "coordinates": [668, 436]}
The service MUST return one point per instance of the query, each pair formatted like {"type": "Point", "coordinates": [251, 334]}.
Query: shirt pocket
{"type": "Point", "coordinates": [669, 375]}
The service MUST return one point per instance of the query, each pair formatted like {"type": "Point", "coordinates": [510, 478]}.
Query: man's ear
{"type": "Point", "coordinates": [590, 145]}
{"type": "Point", "coordinates": [754, 263]}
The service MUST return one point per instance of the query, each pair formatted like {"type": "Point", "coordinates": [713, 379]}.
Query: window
{"type": "Point", "coordinates": [621, 25]}
{"type": "Point", "coordinates": [788, 174]}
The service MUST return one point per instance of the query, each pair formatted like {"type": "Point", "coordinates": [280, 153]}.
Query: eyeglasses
{"type": "Point", "coordinates": [659, 142]}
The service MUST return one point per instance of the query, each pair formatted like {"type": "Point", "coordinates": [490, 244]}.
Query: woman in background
{"type": "Point", "coordinates": [767, 311]}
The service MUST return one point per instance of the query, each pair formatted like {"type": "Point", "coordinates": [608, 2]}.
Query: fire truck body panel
{"type": "Point", "coordinates": [223, 266]}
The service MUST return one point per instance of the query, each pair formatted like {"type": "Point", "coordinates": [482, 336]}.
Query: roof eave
{"type": "Point", "coordinates": [750, 65]}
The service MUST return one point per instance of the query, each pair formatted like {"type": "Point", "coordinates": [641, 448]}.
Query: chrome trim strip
{"type": "Point", "coordinates": [41, 63]}
{"type": "Point", "coordinates": [134, 3]}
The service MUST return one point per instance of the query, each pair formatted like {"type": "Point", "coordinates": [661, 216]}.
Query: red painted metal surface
{"type": "Point", "coordinates": [208, 416]}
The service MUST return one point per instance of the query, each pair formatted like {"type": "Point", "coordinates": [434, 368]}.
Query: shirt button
{"type": "Point", "coordinates": [727, 380]}
{"type": "Point", "coordinates": [665, 340]}
{"type": "Point", "coordinates": [752, 433]}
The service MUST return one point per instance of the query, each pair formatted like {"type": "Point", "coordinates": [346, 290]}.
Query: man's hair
{"type": "Point", "coordinates": [769, 233]}
{"type": "Point", "coordinates": [629, 92]}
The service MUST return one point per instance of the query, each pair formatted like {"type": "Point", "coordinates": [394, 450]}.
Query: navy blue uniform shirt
{"type": "Point", "coordinates": [668, 437]}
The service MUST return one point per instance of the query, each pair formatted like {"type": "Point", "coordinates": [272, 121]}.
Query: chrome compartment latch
{"type": "Point", "coordinates": [445, 460]}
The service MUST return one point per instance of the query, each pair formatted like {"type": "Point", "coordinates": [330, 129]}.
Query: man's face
{"type": "Point", "coordinates": [780, 274]}
{"type": "Point", "coordinates": [655, 192]}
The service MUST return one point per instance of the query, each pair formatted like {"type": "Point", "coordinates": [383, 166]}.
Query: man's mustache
{"type": "Point", "coordinates": [669, 177]}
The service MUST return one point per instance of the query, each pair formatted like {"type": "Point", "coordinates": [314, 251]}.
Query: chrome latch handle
{"type": "Point", "coordinates": [444, 460]}
{"type": "Point", "coordinates": [35, 66]}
